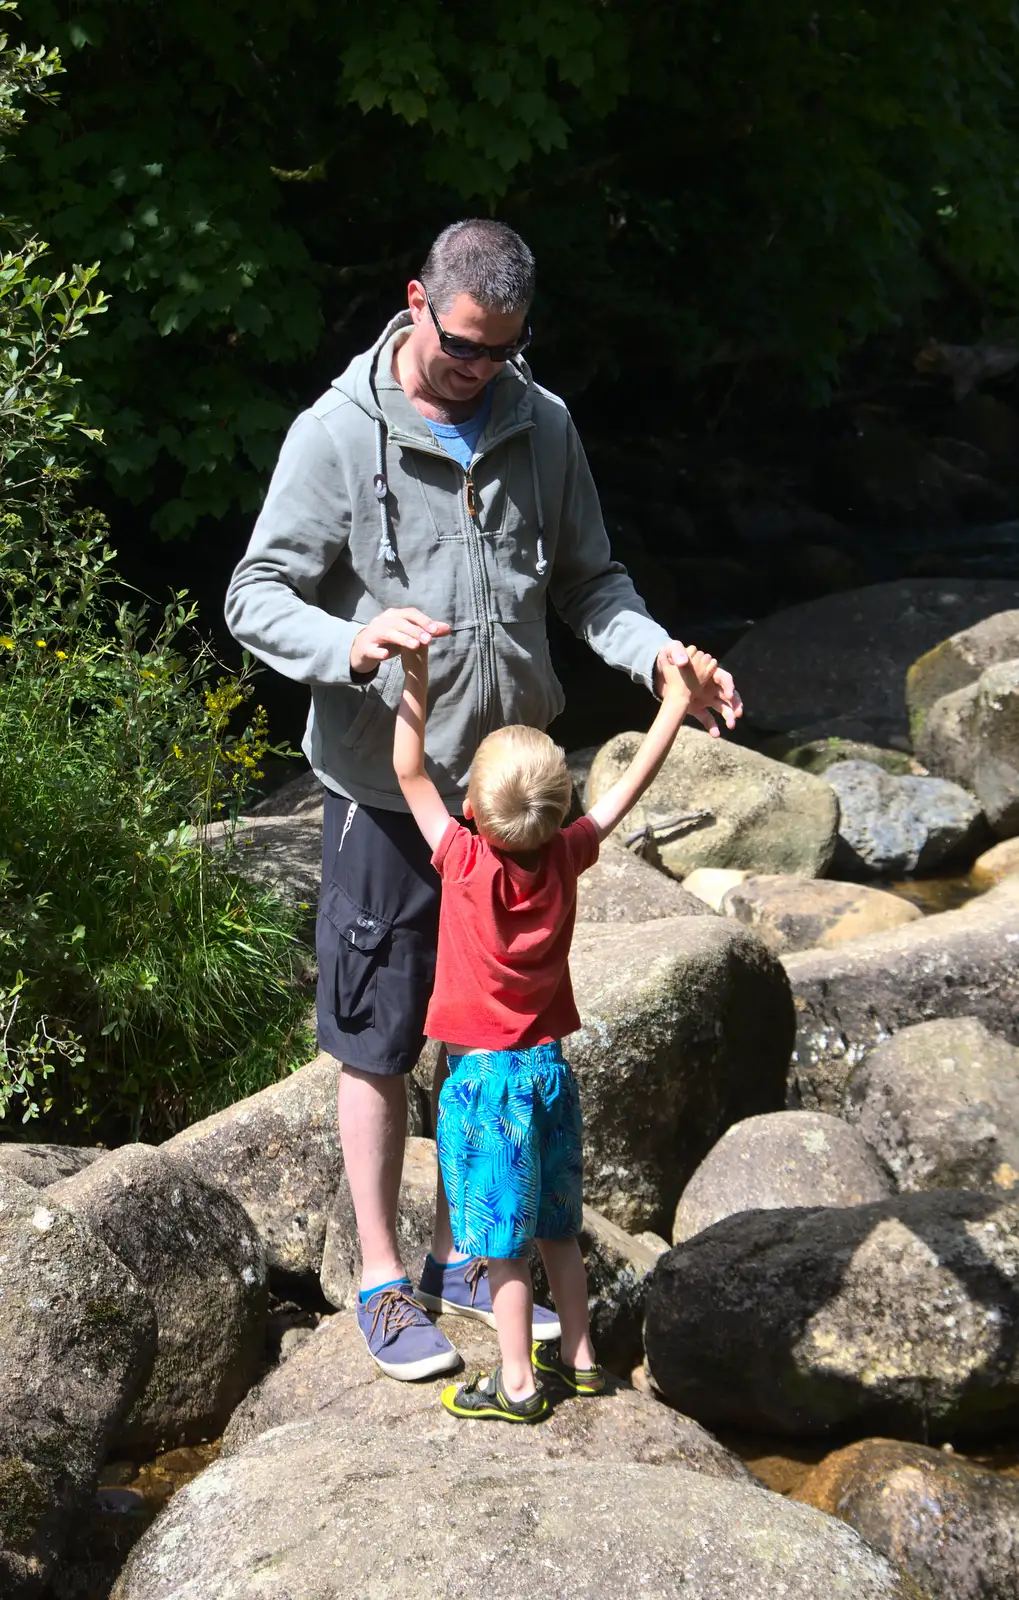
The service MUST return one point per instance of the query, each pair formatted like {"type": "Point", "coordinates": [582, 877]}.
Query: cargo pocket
{"type": "Point", "coordinates": [354, 943]}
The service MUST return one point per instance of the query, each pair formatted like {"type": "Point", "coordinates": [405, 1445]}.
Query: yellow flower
{"type": "Point", "coordinates": [178, 752]}
{"type": "Point", "coordinates": [61, 655]}
{"type": "Point", "coordinates": [41, 643]}
{"type": "Point", "coordinates": [6, 641]}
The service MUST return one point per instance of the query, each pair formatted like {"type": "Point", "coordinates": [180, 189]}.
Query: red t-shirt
{"type": "Point", "coordinates": [502, 975]}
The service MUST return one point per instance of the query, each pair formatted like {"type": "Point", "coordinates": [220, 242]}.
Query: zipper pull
{"type": "Point", "coordinates": [472, 508]}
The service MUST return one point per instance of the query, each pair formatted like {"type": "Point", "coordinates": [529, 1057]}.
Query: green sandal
{"type": "Point", "coordinates": [482, 1396]}
{"type": "Point", "coordinates": [581, 1380]}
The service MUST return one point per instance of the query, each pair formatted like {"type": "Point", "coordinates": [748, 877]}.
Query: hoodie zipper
{"type": "Point", "coordinates": [481, 590]}
{"type": "Point", "coordinates": [480, 587]}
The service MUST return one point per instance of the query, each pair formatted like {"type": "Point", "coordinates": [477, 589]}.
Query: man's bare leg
{"type": "Point", "coordinates": [443, 1248]}
{"type": "Point", "coordinates": [372, 1112]}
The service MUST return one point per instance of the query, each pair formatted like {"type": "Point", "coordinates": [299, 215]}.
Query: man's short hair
{"type": "Point", "coordinates": [519, 788]}
{"type": "Point", "coordinates": [483, 259]}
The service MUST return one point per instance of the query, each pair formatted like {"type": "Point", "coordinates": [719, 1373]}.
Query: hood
{"type": "Point", "coordinates": [369, 382]}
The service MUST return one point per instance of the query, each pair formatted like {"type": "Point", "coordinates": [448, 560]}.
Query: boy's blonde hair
{"type": "Point", "coordinates": [519, 788]}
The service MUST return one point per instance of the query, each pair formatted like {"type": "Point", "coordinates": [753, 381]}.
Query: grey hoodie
{"type": "Point", "coordinates": [366, 510]}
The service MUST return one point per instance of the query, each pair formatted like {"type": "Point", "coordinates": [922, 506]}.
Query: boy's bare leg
{"type": "Point", "coordinates": [567, 1277]}
{"type": "Point", "coordinates": [443, 1248]}
{"type": "Point", "coordinates": [512, 1303]}
{"type": "Point", "coordinates": [372, 1113]}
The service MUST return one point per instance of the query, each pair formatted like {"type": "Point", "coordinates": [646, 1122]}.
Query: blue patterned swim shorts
{"type": "Point", "coordinates": [509, 1138]}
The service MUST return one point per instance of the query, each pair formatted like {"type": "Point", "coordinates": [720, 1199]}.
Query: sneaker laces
{"type": "Point", "coordinates": [397, 1310]}
{"type": "Point", "coordinates": [477, 1270]}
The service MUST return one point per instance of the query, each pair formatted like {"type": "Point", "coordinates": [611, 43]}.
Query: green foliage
{"type": "Point", "coordinates": [159, 983]}
{"type": "Point", "coordinates": [705, 184]}
{"type": "Point", "coordinates": [142, 981]}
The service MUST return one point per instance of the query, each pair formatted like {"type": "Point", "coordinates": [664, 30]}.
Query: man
{"type": "Point", "coordinates": [435, 497]}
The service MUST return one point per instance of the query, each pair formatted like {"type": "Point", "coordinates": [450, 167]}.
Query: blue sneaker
{"type": "Point", "coordinates": [462, 1287]}
{"type": "Point", "coordinates": [400, 1338]}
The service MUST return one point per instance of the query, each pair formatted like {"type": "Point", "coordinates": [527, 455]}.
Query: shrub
{"type": "Point", "coordinates": [142, 981]}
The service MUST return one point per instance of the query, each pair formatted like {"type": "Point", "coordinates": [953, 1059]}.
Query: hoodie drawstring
{"type": "Point", "coordinates": [542, 564]}
{"type": "Point", "coordinates": [386, 551]}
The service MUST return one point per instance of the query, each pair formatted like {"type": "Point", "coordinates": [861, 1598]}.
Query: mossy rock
{"type": "Point", "coordinates": [817, 755]}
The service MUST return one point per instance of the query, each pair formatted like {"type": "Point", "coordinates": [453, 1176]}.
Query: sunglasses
{"type": "Point", "coordinates": [466, 349]}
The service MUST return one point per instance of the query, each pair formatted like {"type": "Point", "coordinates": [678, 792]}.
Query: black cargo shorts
{"type": "Point", "coordinates": [376, 934]}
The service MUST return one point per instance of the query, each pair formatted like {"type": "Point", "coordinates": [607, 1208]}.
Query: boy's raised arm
{"type": "Point", "coordinates": [683, 688]}
{"type": "Point", "coordinates": [427, 806]}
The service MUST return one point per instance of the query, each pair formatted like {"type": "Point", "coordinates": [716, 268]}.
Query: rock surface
{"type": "Point", "coordinates": [331, 1376]}
{"type": "Point", "coordinates": [819, 754]}
{"type": "Point", "coordinates": [951, 1525]}
{"type": "Point", "coordinates": [77, 1340]}
{"type": "Point", "coordinates": [901, 1316]}
{"type": "Point", "coordinates": [957, 964]}
{"type": "Point", "coordinates": [972, 737]}
{"type": "Point", "coordinates": [892, 826]}
{"type": "Point", "coordinates": [999, 862]}
{"type": "Point", "coordinates": [194, 1250]}
{"type": "Point", "coordinates": [939, 1102]}
{"type": "Point", "coordinates": [280, 841]}
{"type": "Point", "coordinates": [836, 666]}
{"type": "Point", "coordinates": [278, 1154]}
{"type": "Point", "coordinates": [758, 814]}
{"type": "Point", "coordinates": [686, 1027]}
{"type": "Point", "coordinates": [788, 1158]}
{"type": "Point", "coordinates": [958, 661]}
{"type": "Point", "coordinates": [620, 887]}
{"type": "Point", "coordinates": [43, 1164]}
{"type": "Point", "coordinates": [791, 913]}
{"type": "Point", "coordinates": [712, 884]}
{"type": "Point", "coordinates": [297, 1513]}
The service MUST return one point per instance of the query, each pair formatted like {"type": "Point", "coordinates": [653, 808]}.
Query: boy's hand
{"type": "Point", "coordinates": [725, 700]}
{"type": "Point", "coordinates": [399, 628]}
{"type": "Point", "coordinates": [697, 679]}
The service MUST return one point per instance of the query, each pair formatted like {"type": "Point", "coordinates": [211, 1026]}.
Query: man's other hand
{"type": "Point", "coordinates": [399, 628]}
{"type": "Point", "coordinates": [722, 699]}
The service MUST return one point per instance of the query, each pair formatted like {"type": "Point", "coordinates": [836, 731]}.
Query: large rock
{"type": "Point", "coordinates": [901, 1316]}
{"type": "Point", "coordinates": [195, 1252]}
{"type": "Point", "coordinates": [617, 1264]}
{"type": "Point", "coordinates": [43, 1164]}
{"type": "Point", "coordinates": [746, 810]}
{"type": "Point", "coordinates": [621, 887]}
{"type": "Point", "coordinates": [892, 826]}
{"type": "Point", "coordinates": [950, 1524]}
{"type": "Point", "coordinates": [999, 862]}
{"type": "Point", "coordinates": [278, 1154]}
{"type": "Point", "coordinates": [323, 1510]}
{"type": "Point", "coordinates": [331, 1376]}
{"type": "Point", "coordinates": [836, 666]}
{"type": "Point", "coordinates": [77, 1340]}
{"type": "Point", "coordinates": [686, 1026]}
{"type": "Point", "coordinates": [961, 963]}
{"type": "Point", "coordinates": [280, 842]}
{"type": "Point", "coordinates": [791, 913]}
{"type": "Point", "coordinates": [972, 736]}
{"type": "Point", "coordinates": [939, 1102]}
{"type": "Point", "coordinates": [958, 661]}
{"type": "Point", "coordinates": [817, 755]}
{"type": "Point", "coordinates": [788, 1158]}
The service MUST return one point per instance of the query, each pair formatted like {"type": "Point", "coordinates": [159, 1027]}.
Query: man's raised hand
{"type": "Point", "coordinates": [399, 628]}
{"type": "Point", "coordinates": [719, 696]}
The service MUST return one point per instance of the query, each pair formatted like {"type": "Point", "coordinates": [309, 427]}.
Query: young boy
{"type": "Point", "coordinates": [509, 1128]}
